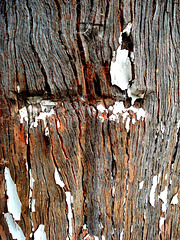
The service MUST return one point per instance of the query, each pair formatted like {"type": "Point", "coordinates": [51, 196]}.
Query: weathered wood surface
{"type": "Point", "coordinates": [62, 51]}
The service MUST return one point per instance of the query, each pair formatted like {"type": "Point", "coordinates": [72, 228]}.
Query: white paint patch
{"type": "Point", "coordinates": [13, 202]}
{"type": "Point", "coordinates": [23, 115]}
{"type": "Point", "coordinates": [161, 222]}
{"type": "Point", "coordinates": [84, 227]}
{"type": "Point", "coordinates": [42, 116]}
{"type": "Point", "coordinates": [125, 115]}
{"type": "Point", "coordinates": [101, 108]}
{"type": "Point", "coordinates": [86, 237]}
{"type": "Point", "coordinates": [14, 228]}
{"type": "Point", "coordinates": [101, 118]}
{"type": "Point", "coordinates": [120, 69]}
{"type": "Point", "coordinates": [118, 109]}
{"type": "Point", "coordinates": [58, 124]}
{"type": "Point", "coordinates": [57, 179]}
{"type": "Point", "coordinates": [40, 233]}
{"type": "Point", "coordinates": [103, 237]}
{"type": "Point", "coordinates": [47, 105]}
{"type": "Point", "coordinates": [46, 131]}
{"type": "Point", "coordinates": [127, 124]}
{"type": "Point", "coordinates": [113, 191]}
{"type": "Point", "coordinates": [31, 200]}
{"type": "Point", "coordinates": [31, 179]}
{"type": "Point", "coordinates": [18, 88]}
{"type": "Point", "coordinates": [33, 205]}
{"type": "Point", "coordinates": [175, 199]}
{"type": "Point", "coordinates": [163, 197]}
{"type": "Point", "coordinates": [69, 201]}
{"type": "Point", "coordinates": [140, 113]}
{"type": "Point", "coordinates": [133, 121]}
{"type": "Point", "coordinates": [153, 189]}
{"type": "Point", "coordinates": [127, 29]}
{"type": "Point", "coordinates": [141, 185]}
{"type": "Point", "coordinates": [46, 111]}
{"type": "Point", "coordinates": [96, 238]}
{"type": "Point", "coordinates": [121, 235]}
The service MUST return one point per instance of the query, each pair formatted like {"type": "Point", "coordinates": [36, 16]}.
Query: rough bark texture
{"type": "Point", "coordinates": [61, 50]}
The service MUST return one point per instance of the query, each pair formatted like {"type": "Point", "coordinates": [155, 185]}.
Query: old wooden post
{"type": "Point", "coordinates": [89, 119]}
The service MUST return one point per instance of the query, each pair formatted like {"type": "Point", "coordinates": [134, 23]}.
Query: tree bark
{"type": "Point", "coordinates": [86, 164]}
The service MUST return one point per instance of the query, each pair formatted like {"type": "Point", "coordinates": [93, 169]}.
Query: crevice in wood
{"type": "Point", "coordinates": [176, 148]}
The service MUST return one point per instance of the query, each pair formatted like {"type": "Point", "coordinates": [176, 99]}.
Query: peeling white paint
{"type": "Point", "coordinates": [101, 118]}
{"type": "Point", "coordinates": [141, 184]}
{"type": "Point", "coordinates": [113, 191]}
{"type": "Point", "coordinates": [163, 197]}
{"type": "Point", "coordinates": [118, 110]}
{"type": "Point", "coordinates": [58, 124]}
{"type": "Point", "coordinates": [120, 69]}
{"type": "Point", "coordinates": [175, 199]}
{"type": "Point", "coordinates": [69, 200]}
{"type": "Point", "coordinates": [23, 115]}
{"type": "Point", "coordinates": [127, 124]}
{"type": "Point", "coordinates": [121, 235]}
{"type": "Point", "coordinates": [46, 131]}
{"type": "Point", "coordinates": [14, 228]}
{"type": "Point", "coordinates": [46, 111]}
{"type": "Point", "coordinates": [125, 115]}
{"type": "Point", "coordinates": [153, 189]}
{"type": "Point", "coordinates": [84, 227]}
{"type": "Point", "coordinates": [86, 237]}
{"type": "Point", "coordinates": [40, 233]}
{"type": "Point", "coordinates": [13, 202]}
{"type": "Point", "coordinates": [133, 121]}
{"type": "Point", "coordinates": [101, 108]}
{"type": "Point", "coordinates": [33, 205]}
{"type": "Point", "coordinates": [161, 222]}
{"type": "Point", "coordinates": [127, 29]}
{"type": "Point", "coordinates": [47, 105]}
{"type": "Point", "coordinates": [57, 179]}
{"type": "Point", "coordinates": [96, 238]}
{"type": "Point", "coordinates": [31, 179]}
{"type": "Point", "coordinates": [42, 116]}
{"type": "Point", "coordinates": [31, 200]}
{"type": "Point", "coordinates": [18, 88]}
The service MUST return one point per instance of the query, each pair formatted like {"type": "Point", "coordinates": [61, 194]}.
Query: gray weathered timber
{"type": "Point", "coordinates": [83, 159]}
